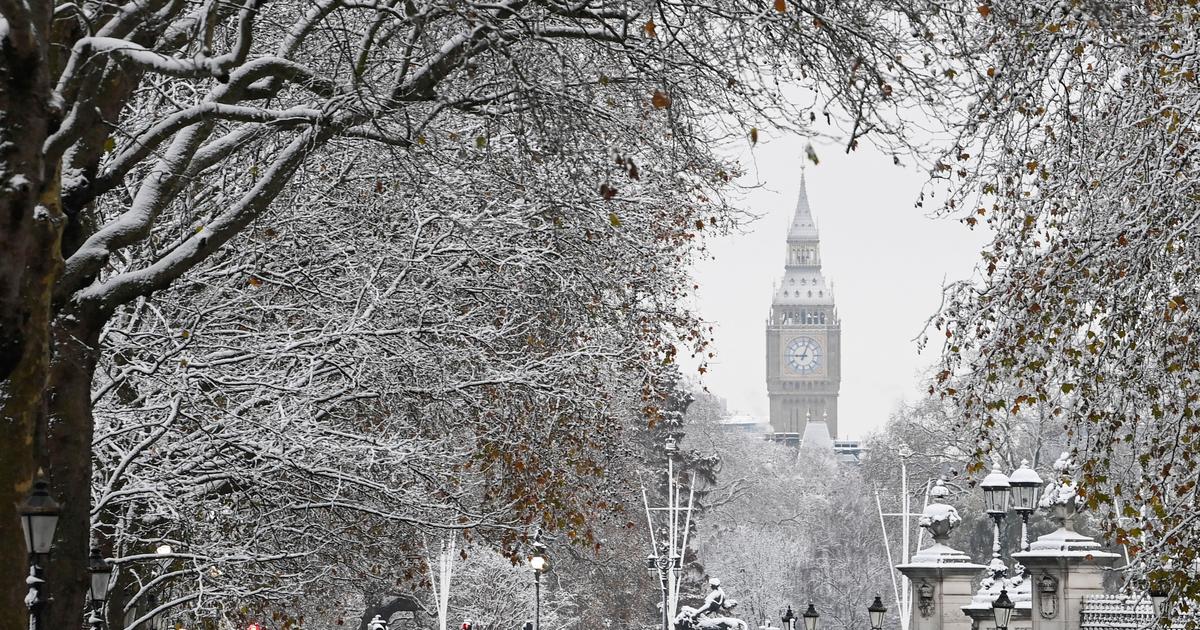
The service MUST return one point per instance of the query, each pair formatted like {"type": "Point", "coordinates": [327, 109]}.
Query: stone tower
{"type": "Point", "coordinates": [804, 335]}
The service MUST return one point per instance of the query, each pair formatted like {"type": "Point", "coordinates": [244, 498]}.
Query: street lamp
{"type": "Point", "coordinates": [100, 571]}
{"type": "Point", "coordinates": [540, 562]}
{"type": "Point", "coordinates": [1025, 484]}
{"type": "Point", "coordinates": [164, 552]}
{"type": "Point", "coordinates": [810, 618]}
{"type": "Point", "coordinates": [877, 610]}
{"type": "Point", "coordinates": [789, 619]}
{"type": "Point", "coordinates": [996, 496]}
{"type": "Point", "coordinates": [1158, 597]}
{"type": "Point", "coordinates": [39, 518]}
{"type": "Point", "coordinates": [661, 566]}
{"type": "Point", "coordinates": [1002, 609]}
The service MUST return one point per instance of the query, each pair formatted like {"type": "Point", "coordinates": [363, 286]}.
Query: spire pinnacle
{"type": "Point", "coordinates": [804, 227]}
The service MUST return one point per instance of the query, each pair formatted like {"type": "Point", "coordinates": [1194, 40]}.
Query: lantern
{"type": "Point", "coordinates": [39, 517]}
{"type": "Point", "coordinates": [100, 571]}
{"type": "Point", "coordinates": [877, 611]}
{"type": "Point", "coordinates": [1002, 608]}
{"type": "Point", "coordinates": [810, 618]}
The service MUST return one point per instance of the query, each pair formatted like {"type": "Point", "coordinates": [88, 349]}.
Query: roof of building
{"type": "Point", "coordinates": [803, 283]}
{"type": "Point", "coordinates": [816, 435]}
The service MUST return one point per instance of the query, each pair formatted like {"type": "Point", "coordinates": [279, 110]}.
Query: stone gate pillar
{"type": "Point", "coordinates": [1064, 565]}
{"type": "Point", "coordinates": [940, 576]}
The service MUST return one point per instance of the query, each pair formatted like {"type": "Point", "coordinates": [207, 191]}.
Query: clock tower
{"type": "Point", "coordinates": [804, 336]}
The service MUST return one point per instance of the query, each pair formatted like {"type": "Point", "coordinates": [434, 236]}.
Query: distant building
{"type": "Point", "coordinates": [803, 335]}
{"type": "Point", "coordinates": [848, 451]}
{"type": "Point", "coordinates": [816, 435]}
{"type": "Point", "coordinates": [744, 423]}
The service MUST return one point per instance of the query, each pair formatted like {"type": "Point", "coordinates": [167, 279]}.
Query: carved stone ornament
{"type": "Point", "coordinates": [1047, 587]}
{"type": "Point", "coordinates": [925, 598]}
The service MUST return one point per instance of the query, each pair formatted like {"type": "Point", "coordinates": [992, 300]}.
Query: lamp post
{"type": "Point", "coordinates": [540, 562]}
{"type": "Point", "coordinates": [164, 552]}
{"type": "Point", "coordinates": [100, 571]}
{"type": "Point", "coordinates": [1158, 597]}
{"type": "Point", "coordinates": [1025, 484]}
{"type": "Point", "coordinates": [151, 606]}
{"type": "Point", "coordinates": [996, 497]}
{"type": "Point", "coordinates": [789, 619]}
{"type": "Point", "coordinates": [39, 518]}
{"type": "Point", "coordinates": [1002, 610]}
{"type": "Point", "coordinates": [877, 611]}
{"type": "Point", "coordinates": [810, 618]}
{"type": "Point", "coordinates": [661, 566]}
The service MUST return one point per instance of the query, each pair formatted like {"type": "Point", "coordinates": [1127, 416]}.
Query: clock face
{"type": "Point", "coordinates": [804, 355]}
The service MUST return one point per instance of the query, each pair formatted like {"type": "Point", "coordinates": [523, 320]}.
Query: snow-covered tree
{"type": "Point", "coordinates": [147, 144]}
{"type": "Point", "coordinates": [786, 527]}
{"type": "Point", "coordinates": [480, 367]}
{"type": "Point", "coordinates": [1077, 151]}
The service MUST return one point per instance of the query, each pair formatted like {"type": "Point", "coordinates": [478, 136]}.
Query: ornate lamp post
{"type": "Point", "coordinates": [661, 566]}
{"type": "Point", "coordinates": [789, 619]}
{"type": "Point", "coordinates": [100, 571]}
{"type": "Point", "coordinates": [674, 523]}
{"type": "Point", "coordinates": [1002, 608]}
{"type": "Point", "coordinates": [39, 518]}
{"type": "Point", "coordinates": [540, 562]}
{"type": "Point", "coordinates": [1025, 484]}
{"type": "Point", "coordinates": [877, 611]}
{"type": "Point", "coordinates": [996, 496]}
{"type": "Point", "coordinates": [810, 618]}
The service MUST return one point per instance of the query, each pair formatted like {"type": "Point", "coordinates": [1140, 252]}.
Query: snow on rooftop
{"type": "Point", "coordinates": [816, 435]}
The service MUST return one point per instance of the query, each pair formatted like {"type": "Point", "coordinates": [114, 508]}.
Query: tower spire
{"type": "Point", "coordinates": [804, 227]}
{"type": "Point", "coordinates": [803, 337]}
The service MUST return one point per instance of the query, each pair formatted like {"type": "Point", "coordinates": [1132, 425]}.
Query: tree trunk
{"type": "Point", "coordinates": [69, 444]}
{"type": "Point", "coordinates": [30, 230]}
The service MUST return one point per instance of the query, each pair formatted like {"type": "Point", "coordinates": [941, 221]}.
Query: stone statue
{"type": "Point", "coordinates": [697, 619]}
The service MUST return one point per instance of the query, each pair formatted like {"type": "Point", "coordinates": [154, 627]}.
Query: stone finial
{"type": "Point", "coordinates": [938, 518]}
{"type": "Point", "coordinates": [1061, 498]}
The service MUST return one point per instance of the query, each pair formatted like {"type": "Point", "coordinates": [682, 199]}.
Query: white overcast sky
{"type": "Point", "coordinates": [887, 261]}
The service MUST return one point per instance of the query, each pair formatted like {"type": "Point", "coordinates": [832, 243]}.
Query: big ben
{"type": "Point", "coordinates": [804, 354]}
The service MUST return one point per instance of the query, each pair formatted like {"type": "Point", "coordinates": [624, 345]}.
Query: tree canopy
{"type": "Point", "coordinates": [1078, 153]}
{"type": "Point", "coordinates": [338, 264]}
